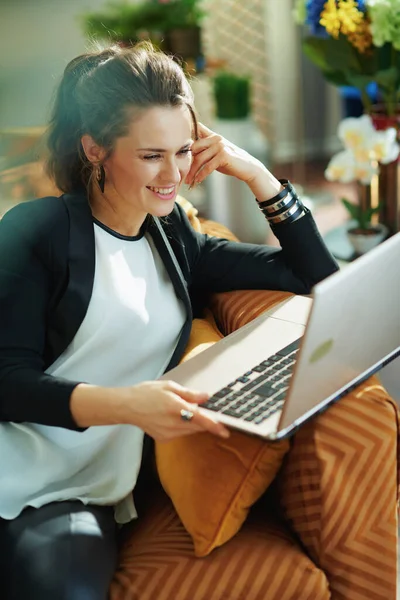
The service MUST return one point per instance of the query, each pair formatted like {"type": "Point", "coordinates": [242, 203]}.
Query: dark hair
{"type": "Point", "coordinates": [96, 96]}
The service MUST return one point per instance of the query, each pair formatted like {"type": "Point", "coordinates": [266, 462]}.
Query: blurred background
{"type": "Point", "coordinates": [251, 78]}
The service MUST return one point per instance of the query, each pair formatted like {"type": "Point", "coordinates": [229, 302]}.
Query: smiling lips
{"type": "Point", "coordinates": [164, 193]}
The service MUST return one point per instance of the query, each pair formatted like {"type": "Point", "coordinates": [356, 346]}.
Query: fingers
{"type": "Point", "coordinates": [199, 160]}
{"type": "Point", "coordinates": [199, 421]}
{"type": "Point", "coordinates": [203, 130]}
{"type": "Point", "coordinates": [208, 424]}
{"type": "Point", "coordinates": [193, 396]}
{"type": "Point", "coordinates": [208, 145]}
{"type": "Point", "coordinates": [206, 169]}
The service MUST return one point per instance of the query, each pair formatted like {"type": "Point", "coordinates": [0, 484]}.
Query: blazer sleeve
{"type": "Point", "coordinates": [26, 392]}
{"type": "Point", "coordinates": [219, 265]}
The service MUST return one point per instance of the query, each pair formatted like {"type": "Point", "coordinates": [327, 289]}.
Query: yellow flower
{"type": "Point", "coordinates": [349, 15]}
{"type": "Point", "coordinates": [330, 18]}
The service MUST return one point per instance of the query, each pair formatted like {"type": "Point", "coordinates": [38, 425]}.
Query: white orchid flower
{"type": "Point", "coordinates": [364, 172]}
{"type": "Point", "coordinates": [384, 147]}
{"type": "Point", "coordinates": [356, 132]}
{"type": "Point", "coordinates": [363, 154]}
{"type": "Point", "coordinates": [341, 167]}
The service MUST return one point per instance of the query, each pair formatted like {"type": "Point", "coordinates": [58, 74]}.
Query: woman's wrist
{"type": "Point", "coordinates": [264, 185]}
{"type": "Point", "coordinates": [96, 405]}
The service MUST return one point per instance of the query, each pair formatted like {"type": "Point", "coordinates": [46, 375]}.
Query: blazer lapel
{"type": "Point", "coordinates": [72, 307]}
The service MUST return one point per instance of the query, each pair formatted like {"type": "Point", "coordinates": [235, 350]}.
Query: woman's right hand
{"type": "Point", "coordinates": [155, 407]}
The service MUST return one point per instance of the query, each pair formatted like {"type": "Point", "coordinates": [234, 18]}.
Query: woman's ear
{"type": "Point", "coordinates": [94, 153]}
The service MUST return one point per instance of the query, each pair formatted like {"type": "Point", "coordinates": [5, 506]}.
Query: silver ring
{"type": "Point", "coordinates": [186, 415]}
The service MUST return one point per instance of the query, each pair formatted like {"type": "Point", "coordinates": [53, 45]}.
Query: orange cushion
{"type": "Point", "coordinates": [263, 561]}
{"type": "Point", "coordinates": [211, 481]}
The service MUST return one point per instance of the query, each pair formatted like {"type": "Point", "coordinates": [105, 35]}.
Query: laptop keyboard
{"type": "Point", "coordinates": [260, 392]}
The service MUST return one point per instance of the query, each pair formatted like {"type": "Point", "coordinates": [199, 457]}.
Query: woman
{"type": "Point", "coordinates": [97, 292]}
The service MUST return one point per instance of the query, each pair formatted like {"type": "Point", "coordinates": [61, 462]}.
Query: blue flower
{"type": "Point", "coordinates": [314, 9]}
{"type": "Point", "coordinates": [361, 5]}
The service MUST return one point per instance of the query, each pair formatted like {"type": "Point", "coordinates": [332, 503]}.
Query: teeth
{"type": "Point", "coordinates": [162, 191]}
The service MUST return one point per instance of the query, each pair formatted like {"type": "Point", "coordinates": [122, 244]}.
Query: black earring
{"type": "Point", "coordinates": [102, 178]}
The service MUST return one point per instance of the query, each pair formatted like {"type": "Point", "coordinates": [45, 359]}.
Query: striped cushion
{"type": "Point", "coordinates": [339, 490]}
{"type": "Point", "coordinates": [262, 561]}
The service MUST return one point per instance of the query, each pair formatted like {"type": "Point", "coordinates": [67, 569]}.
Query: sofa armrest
{"type": "Point", "coordinates": [338, 489]}
{"type": "Point", "coordinates": [232, 310]}
{"type": "Point", "coordinates": [339, 485]}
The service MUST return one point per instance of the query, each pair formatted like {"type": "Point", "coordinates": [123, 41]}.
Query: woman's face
{"type": "Point", "coordinates": [148, 165]}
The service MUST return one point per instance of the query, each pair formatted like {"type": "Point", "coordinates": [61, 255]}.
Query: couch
{"type": "Point", "coordinates": [326, 527]}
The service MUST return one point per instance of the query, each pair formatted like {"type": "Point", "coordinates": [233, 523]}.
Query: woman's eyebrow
{"type": "Point", "coordinates": [163, 149]}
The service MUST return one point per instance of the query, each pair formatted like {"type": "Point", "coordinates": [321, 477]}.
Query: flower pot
{"type": "Point", "coordinates": [388, 179]}
{"type": "Point", "coordinates": [184, 42]}
{"type": "Point", "coordinates": [364, 240]}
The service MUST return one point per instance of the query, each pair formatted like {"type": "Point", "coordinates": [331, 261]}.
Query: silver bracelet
{"type": "Point", "coordinates": [283, 204]}
{"type": "Point", "coordinates": [295, 212]}
{"type": "Point", "coordinates": [286, 207]}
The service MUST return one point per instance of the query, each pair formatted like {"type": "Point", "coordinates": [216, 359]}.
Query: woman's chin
{"type": "Point", "coordinates": [164, 209]}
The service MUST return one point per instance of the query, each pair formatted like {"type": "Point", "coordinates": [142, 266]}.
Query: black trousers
{"type": "Point", "coordinates": [61, 551]}
{"type": "Point", "coordinates": [66, 550]}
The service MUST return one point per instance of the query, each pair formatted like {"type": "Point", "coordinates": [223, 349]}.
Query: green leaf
{"type": "Point", "coordinates": [337, 78]}
{"type": "Point", "coordinates": [353, 209]}
{"type": "Point", "coordinates": [387, 79]}
{"type": "Point", "coordinates": [359, 81]}
{"type": "Point", "coordinates": [332, 55]}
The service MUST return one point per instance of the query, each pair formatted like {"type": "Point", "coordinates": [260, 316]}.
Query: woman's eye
{"type": "Point", "coordinates": [158, 156]}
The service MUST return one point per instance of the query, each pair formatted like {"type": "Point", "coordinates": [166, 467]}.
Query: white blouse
{"type": "Point", "coordinates": [128, 335]}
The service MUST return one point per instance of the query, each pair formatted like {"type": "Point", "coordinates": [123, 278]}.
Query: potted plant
{"type": "Point", "coordinates": [357, 43]}
{"type": "Point", "coordinates": [362, 234]}
{"type": "Point", "coordinates": [232, 95]}
{"type": "Point", "coordinates": [172, 25]}
{"type": "Point", "coordinates": [231, 201]}
{"type": "Point", "coordinates": [127, 23]}
{"type": "Point", "coordinates": [183, 31]}
{"type": "Point", "coordinates": [365, 150]}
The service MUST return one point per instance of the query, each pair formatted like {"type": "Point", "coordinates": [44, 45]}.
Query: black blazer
{"type": "Point", "coordinates": [47, 262]}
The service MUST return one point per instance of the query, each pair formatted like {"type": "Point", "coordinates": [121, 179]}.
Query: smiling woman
{"type": "Point", "coordinates": [144, 172]}
{"type": "Point", "coordinates": [97, 300]}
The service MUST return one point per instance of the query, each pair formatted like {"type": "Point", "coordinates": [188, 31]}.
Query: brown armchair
{"type": "Point", "coordinates": [327, 528]}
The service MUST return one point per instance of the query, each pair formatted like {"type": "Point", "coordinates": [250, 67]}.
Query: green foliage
{"type": "Point", "coordinates": [122, 21]}
{"type": "Point", "coordinates": [232, 95]}
{"type": "Point", "coordinates": [342, 64]}
{"type": "Point", "coordinates": [182, 13]}
{"type": "Point", "coordinates": [361, 216]}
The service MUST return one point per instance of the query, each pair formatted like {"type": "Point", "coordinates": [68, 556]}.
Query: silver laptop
{"type": "Point", "coordinates": [297, 358]}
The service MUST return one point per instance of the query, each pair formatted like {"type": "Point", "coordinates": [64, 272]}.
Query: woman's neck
{"type": "Point", "coordinates": [115, 213]}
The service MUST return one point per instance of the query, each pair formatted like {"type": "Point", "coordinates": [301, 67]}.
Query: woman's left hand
{"type": "Point", "coordinates": [211, 152]}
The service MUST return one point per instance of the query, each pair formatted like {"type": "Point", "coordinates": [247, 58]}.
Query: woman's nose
{"type": "Point", "coordinates": [171, 172]}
